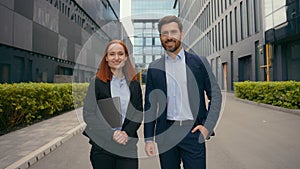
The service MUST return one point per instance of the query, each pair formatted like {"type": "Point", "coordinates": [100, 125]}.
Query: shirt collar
{"type": "Point", "coordinates": [116, 78]}
{"type": "Point", "coordinates": [180, 55]}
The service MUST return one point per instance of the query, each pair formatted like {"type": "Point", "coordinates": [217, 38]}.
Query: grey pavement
{"type": "Point", "coordinates": [255, 136]}
{"type": "Point", "coordinates": [23, 148]}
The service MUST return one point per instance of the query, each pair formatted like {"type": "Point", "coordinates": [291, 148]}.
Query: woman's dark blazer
{"type": "Point", "coordinates": [97, 129]}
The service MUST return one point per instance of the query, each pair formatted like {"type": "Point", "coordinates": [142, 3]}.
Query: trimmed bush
{"type": "Point", "coordinates": [23, 103]}
{"type": "Point", "coordinates": [282, 94]}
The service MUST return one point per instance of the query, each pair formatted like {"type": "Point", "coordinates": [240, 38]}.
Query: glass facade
{"type": "Point", "coordinates": [147, 46]}
{"type": "Point", "coordinates": [225, 32]}
{"type": "Point", "coordinates": [282, 27]}
{"type": "Point", "coordinates": [154, 9]}
{"type": "Point", "coordinates": [43, 39]}
{"type": "Point", "coordinates": [275, 13]}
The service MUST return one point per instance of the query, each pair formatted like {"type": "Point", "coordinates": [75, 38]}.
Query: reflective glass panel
{"type": "Point", "coordinates": [280, 16]}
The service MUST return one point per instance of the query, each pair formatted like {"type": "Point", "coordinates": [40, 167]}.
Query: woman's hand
{"type": "Point", "coordinates": [120, 137]}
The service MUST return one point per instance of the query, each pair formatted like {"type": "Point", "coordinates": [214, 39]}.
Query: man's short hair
{"type": "Point", "coordinates": [169, 19]}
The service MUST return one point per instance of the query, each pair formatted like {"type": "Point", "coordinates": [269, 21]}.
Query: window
{"type": "Point", "coordinates": [157, 50]}
{"type": "Point", "coordinates": [138, 59]}
{"type": "Point", "coordinates": [215, 8]}
{"type": "Point", "coordinates": [138, 50]}
{"type": "Point", "coordinates": [280, 16]}
{"type": "Point", "coordinates": [219, 36]}
{"type": "Point", "coordinates": [235, 24]}
{"type": "Point", "coordinates": [148, 50]}
{"type": "Point", "coordinates": [268, 22]}
{"type": "Point", "coordinates": [148, 41]}
{"type": "Point", "coordinates": [275, 13]}
{"type": "Point", "coordinates": [149, 58]}
{"type": "Point", "coordinates": [138, 25]}
{"type": "Point", "coordinates": [148, 25]}
{"type": "Point", "coordinates": [242, 21]}
{"type": "Point", "coordinates": [248, 18]}
{"type": "Point", "coordinates": [213, 39]}
{"type": "Point", "coordinates": [230, 26]}
{"type": "Point", "coordinates": [157, 41]}
{"type": "Point", "coordinates": [218, 7]}
{"type": "Point", "coordinates": [222, 33]}
{"type": "Point", "coordinates": [148, 32]}
{"type": "Point", "coordinates": [138, 41]}
{"type": "Point", "coordinates": [277, 4]}
{"type": "Point", "coordinates": [155, 33]}
{"type": "Point", "coordinates": [221, 6]}
{"type": "Point", "coordinates": [226, 30]}
{"type": "Point", "coordinates": [256, 15]}
{"type": "Point", "coordinates": [216, 36]}
{"type": "Point", "coordinates": [138, 32]}
{"type": "Point", "coordinates": [212, 12]}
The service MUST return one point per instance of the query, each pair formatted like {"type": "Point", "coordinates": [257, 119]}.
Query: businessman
{"type": "Point", "coordinates": [177, 117]}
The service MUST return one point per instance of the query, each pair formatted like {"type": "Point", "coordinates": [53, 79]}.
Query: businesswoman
{"type": "Point", "coordinates": [114, 147]}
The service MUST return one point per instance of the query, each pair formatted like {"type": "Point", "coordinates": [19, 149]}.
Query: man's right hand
{"type": "Point", "coordinates": [150, 148]}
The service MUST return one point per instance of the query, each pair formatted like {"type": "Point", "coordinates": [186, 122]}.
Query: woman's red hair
{"type": "Point", "coordinates": [104, 73]}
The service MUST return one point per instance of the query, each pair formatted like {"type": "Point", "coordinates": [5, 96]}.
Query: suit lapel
{"type": "Point", "coordinates": [162, 74]}
{"type": "Point", "coordinates": [107, 85]}
{"type": "Point", "coordinates": [192, 85]}
{"type": "Point", "coordinates": [192, 67]}
{"type": "Point", "coordinates": [189, 73]}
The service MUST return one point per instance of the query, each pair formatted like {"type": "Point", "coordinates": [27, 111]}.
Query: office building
{"type": "Point", "coordinates": [282, 37]}
{"type": "Point", "coordinates": [244, 39]}
{"type": "Point", "coordinates": [56, 40]}
{"type": "Point", "coordinates": [230, 34]}
{"type": "Point", "coordinates": [145, 15]}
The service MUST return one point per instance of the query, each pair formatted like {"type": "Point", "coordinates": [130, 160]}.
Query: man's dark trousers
{"type": "Point", "coordinates": [188, 149]}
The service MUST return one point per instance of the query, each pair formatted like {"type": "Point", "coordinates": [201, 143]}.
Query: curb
{"type": "Point", "coordinates": [41, 152]}
{"type": "Point", "coordinates": [291, 111]}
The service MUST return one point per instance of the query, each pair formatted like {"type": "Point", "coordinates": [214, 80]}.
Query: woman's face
{"type": "Point", "coordinates": [116, 56]}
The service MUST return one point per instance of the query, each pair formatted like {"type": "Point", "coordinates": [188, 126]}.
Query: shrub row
{"type": "Point", "coordinates": [23, 103]}
{"type": "Point", "coordinates": [282, 94]}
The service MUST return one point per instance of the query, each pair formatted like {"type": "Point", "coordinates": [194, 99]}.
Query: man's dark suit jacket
{"type": "Point", "coordinates": [98, 130]}
{"type": "Point", "coordinates": [199, 79]}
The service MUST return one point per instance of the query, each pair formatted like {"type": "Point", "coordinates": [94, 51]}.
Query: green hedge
{"type": "Point", "coordinates": [23, 103]}
{"type": "Point", "coordinates": [282, 94]}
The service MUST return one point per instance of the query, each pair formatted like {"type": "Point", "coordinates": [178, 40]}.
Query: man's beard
{"type": "Point", "coordinates": [177, 45]}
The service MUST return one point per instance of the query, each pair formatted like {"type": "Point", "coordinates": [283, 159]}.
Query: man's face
{"type": "Point", "coordinates": [170, 37]}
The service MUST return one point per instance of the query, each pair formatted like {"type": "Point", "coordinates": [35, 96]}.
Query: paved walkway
{"type": "Point", "coordinates": [24, 147]}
